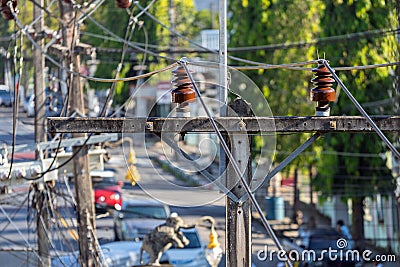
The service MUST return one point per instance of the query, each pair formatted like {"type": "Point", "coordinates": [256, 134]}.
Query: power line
{"type": "Point", "coordinates": [324, 40]}
{"type": "Point", "coordinates": [19, 232]}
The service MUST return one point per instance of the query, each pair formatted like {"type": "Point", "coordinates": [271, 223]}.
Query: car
{"type": "Point", "coordinates": [107, 191]}
{"type": "Point", "coordinates": [137, 217]}
{"type": "Point", "coordinates": [107, 197]}
{"type": "Point", "coordinates": [325, 243]}
{"type": "Point", "coordinates": [6, 96]}
{"type": "Point", "coordinates": [122, 253]}
{"type": "Point", "coordinates": [53, 105]}
{"type": "Point", "coordinates": [192, 255]}
{"type": "Point", "coordinates": [29, 105]}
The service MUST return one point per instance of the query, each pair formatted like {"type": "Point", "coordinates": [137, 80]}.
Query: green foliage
{"type": "Point", "coordinates": [366, 174]}
{"type": "Point", "coordinates": [274, 22]}
{"type": "Point", "coordinates": [186, 18]}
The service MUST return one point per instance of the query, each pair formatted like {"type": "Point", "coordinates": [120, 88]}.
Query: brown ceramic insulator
{"type": "Point", "coordinates": [123, 3]}
{"type": "Point", "coordinates": [183, 91]}
{"type": "Point", "coordinates": [5, 10]}
{"type": "Point", "coordinates": [322, 92]}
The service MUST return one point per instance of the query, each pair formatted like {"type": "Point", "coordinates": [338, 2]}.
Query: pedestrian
{"type": "Point", "coordinates": [343, 229]}
{"type": "Point", "coordinates": [345, 232]}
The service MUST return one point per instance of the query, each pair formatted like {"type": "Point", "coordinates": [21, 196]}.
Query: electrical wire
{"type": "Point", "coordinates": [34, 43]}
{"type": "Point", "coordinates": [130, 28]}
{"type": "Point", "coordinates": [65, 107]}
{"type": "Point", "coordinates": [23, 29]}
{"type": "Point", "coordinates": [161, 70]}
{"type": "Point", "coordinates": [46, 10]}
{"type": "Point", "coordinates": [336, 38]}
{"type": "Point", "coordinates": [140, 72]}
{"type": "Point", "coordinates": [317, 41]}
{"type": "Point", "coordinates": [115, 40]}
{"type": "Point", "coordinates": [15, 103]}
{"type": "Point", "coordinates": [173, 31]}
{"type": "Point", "coordinates": [362, 111]}
{"type": "Point", "coordinates": [232, 160]}
{"type": "Point", "coordinates": [19, 232]}
{"type": "Point", "coordinates": [21, 204]}
{"type": "Point", "coordinates": [97, 5]}
{"type": "Point", "coordinates": [76, 152]}
{"type": "Point", "coordinates": [323, 40]}
{"type": "Point", "coordinates": [129, 43]}
{"type": "Point", "coordinates": [290, 66]}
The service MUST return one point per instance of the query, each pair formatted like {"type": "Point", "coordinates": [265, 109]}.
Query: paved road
{"type": "Point", "coordinates": [190, 203]}
{"type": "Point", "coordinates": [25, 127]}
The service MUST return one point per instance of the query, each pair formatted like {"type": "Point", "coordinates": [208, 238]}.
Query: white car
{"type": "Point", "coordinates": [192, 255]}
{"type": "Point", "coordinates": [6, 96]}
{"type": "Point", "coordinates": [137, 217]}
{"type": "Point", "coordinates": [127, 253]}
{"type": "Point", "coordinates": [29, 105]}
{"type": "Point", "coordinates": [115, 254]}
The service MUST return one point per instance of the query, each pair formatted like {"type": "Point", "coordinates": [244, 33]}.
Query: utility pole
{"type": "Point", "coordinates": [172, 22]}
{"type": "Point", "coordinates": [238, 226]}
{"type": "Point", "coordinates": [295, 195]}
{"type": "Point", "coordinates": [42, 222]}
{"type": "Point", "coordinates": [238, 215]}
{"type": "Point", "coordinates": [39, 83]}
{"type": "Point", "coordinates": [397, 109]}
{"type": "Point", "coordinates": [83, 184]}
{"type": "Point", "coordinates": [310, 169]}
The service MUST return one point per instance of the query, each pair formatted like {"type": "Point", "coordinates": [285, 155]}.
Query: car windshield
{"type": "Point", "coordinates": [193, 238]}
{"type": "Point", "coordinates": [323, 242]}
{"type": "Point", "coordinates": [154, 212]}
{"type": "Point", "coordinates": [6, 93]}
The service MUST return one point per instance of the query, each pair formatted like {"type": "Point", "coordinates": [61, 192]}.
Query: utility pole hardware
{"type": "Point", "coordinates": [82, 180]}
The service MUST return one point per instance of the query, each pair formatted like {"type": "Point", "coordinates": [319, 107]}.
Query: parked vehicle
{"type": "Point", "coordinates": [107, 191]}
{"type": "Point", "coordinates": [322, 240]}
{"type": "Point", "coordinates": [137, 217]}
{"type": "Point", "coordinates": [29, 105]}
{"type": "Point", "coordinates": [192, 255]}
{"type": "Point", "coordinates": [54, 105]}
{"type": "Point", "coordinates": [115, 254]}
{"type": "Point", "coordinates": [6, 96]}
{"type": "Point", "coordinates": [107, 197]}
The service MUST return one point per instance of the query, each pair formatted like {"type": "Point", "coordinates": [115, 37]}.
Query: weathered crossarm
{"type": "Point", "coordinates": [226, 124]}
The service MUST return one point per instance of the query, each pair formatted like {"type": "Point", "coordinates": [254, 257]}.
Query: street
{"type": "Point", "coordinates": [18, 238]}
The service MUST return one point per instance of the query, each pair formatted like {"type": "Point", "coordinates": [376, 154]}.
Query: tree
{"type": "Point", "coordinates": [366, 174]}
{"type": "Point", "coordinates": [150, 31]}
{"type": "Point", "coordinates": [274, 22]}
{"type": "Point", "coordinates": [263, 22]}
{"type": "Point", "coordinates": [279, 22]}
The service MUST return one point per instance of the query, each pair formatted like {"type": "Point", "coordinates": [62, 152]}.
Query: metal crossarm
{"type": "Point", "coordinates": [351, 124]}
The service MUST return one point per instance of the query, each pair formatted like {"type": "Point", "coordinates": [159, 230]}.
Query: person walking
{"type": "Point", "coordinates": [345, 232]}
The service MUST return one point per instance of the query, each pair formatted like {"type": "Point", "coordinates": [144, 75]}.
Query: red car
{"type": "Point", "coordinates": [107, 194]}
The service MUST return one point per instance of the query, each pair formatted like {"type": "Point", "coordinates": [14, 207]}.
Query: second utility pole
{"type": "Point", "coordinates": [42, 222]}
{"type": "Point", "coordinates": [82, 180]}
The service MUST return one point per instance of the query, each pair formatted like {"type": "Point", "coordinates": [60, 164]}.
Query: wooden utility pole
{"type": "Point", "coordinates": [238, 231]}
{"type": "Point", "coordinates": [39, 83]}
{"type": "Point", "coordinates": [296, 196]}
{"type": "Point", "coordinates": [238, 215]}
{"type": "Point", "coordinates": [172, 22]}
{"type": "Point", "coordinates": [83, 183]}
{"type": "Point", "coordinates": [42, 222]}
